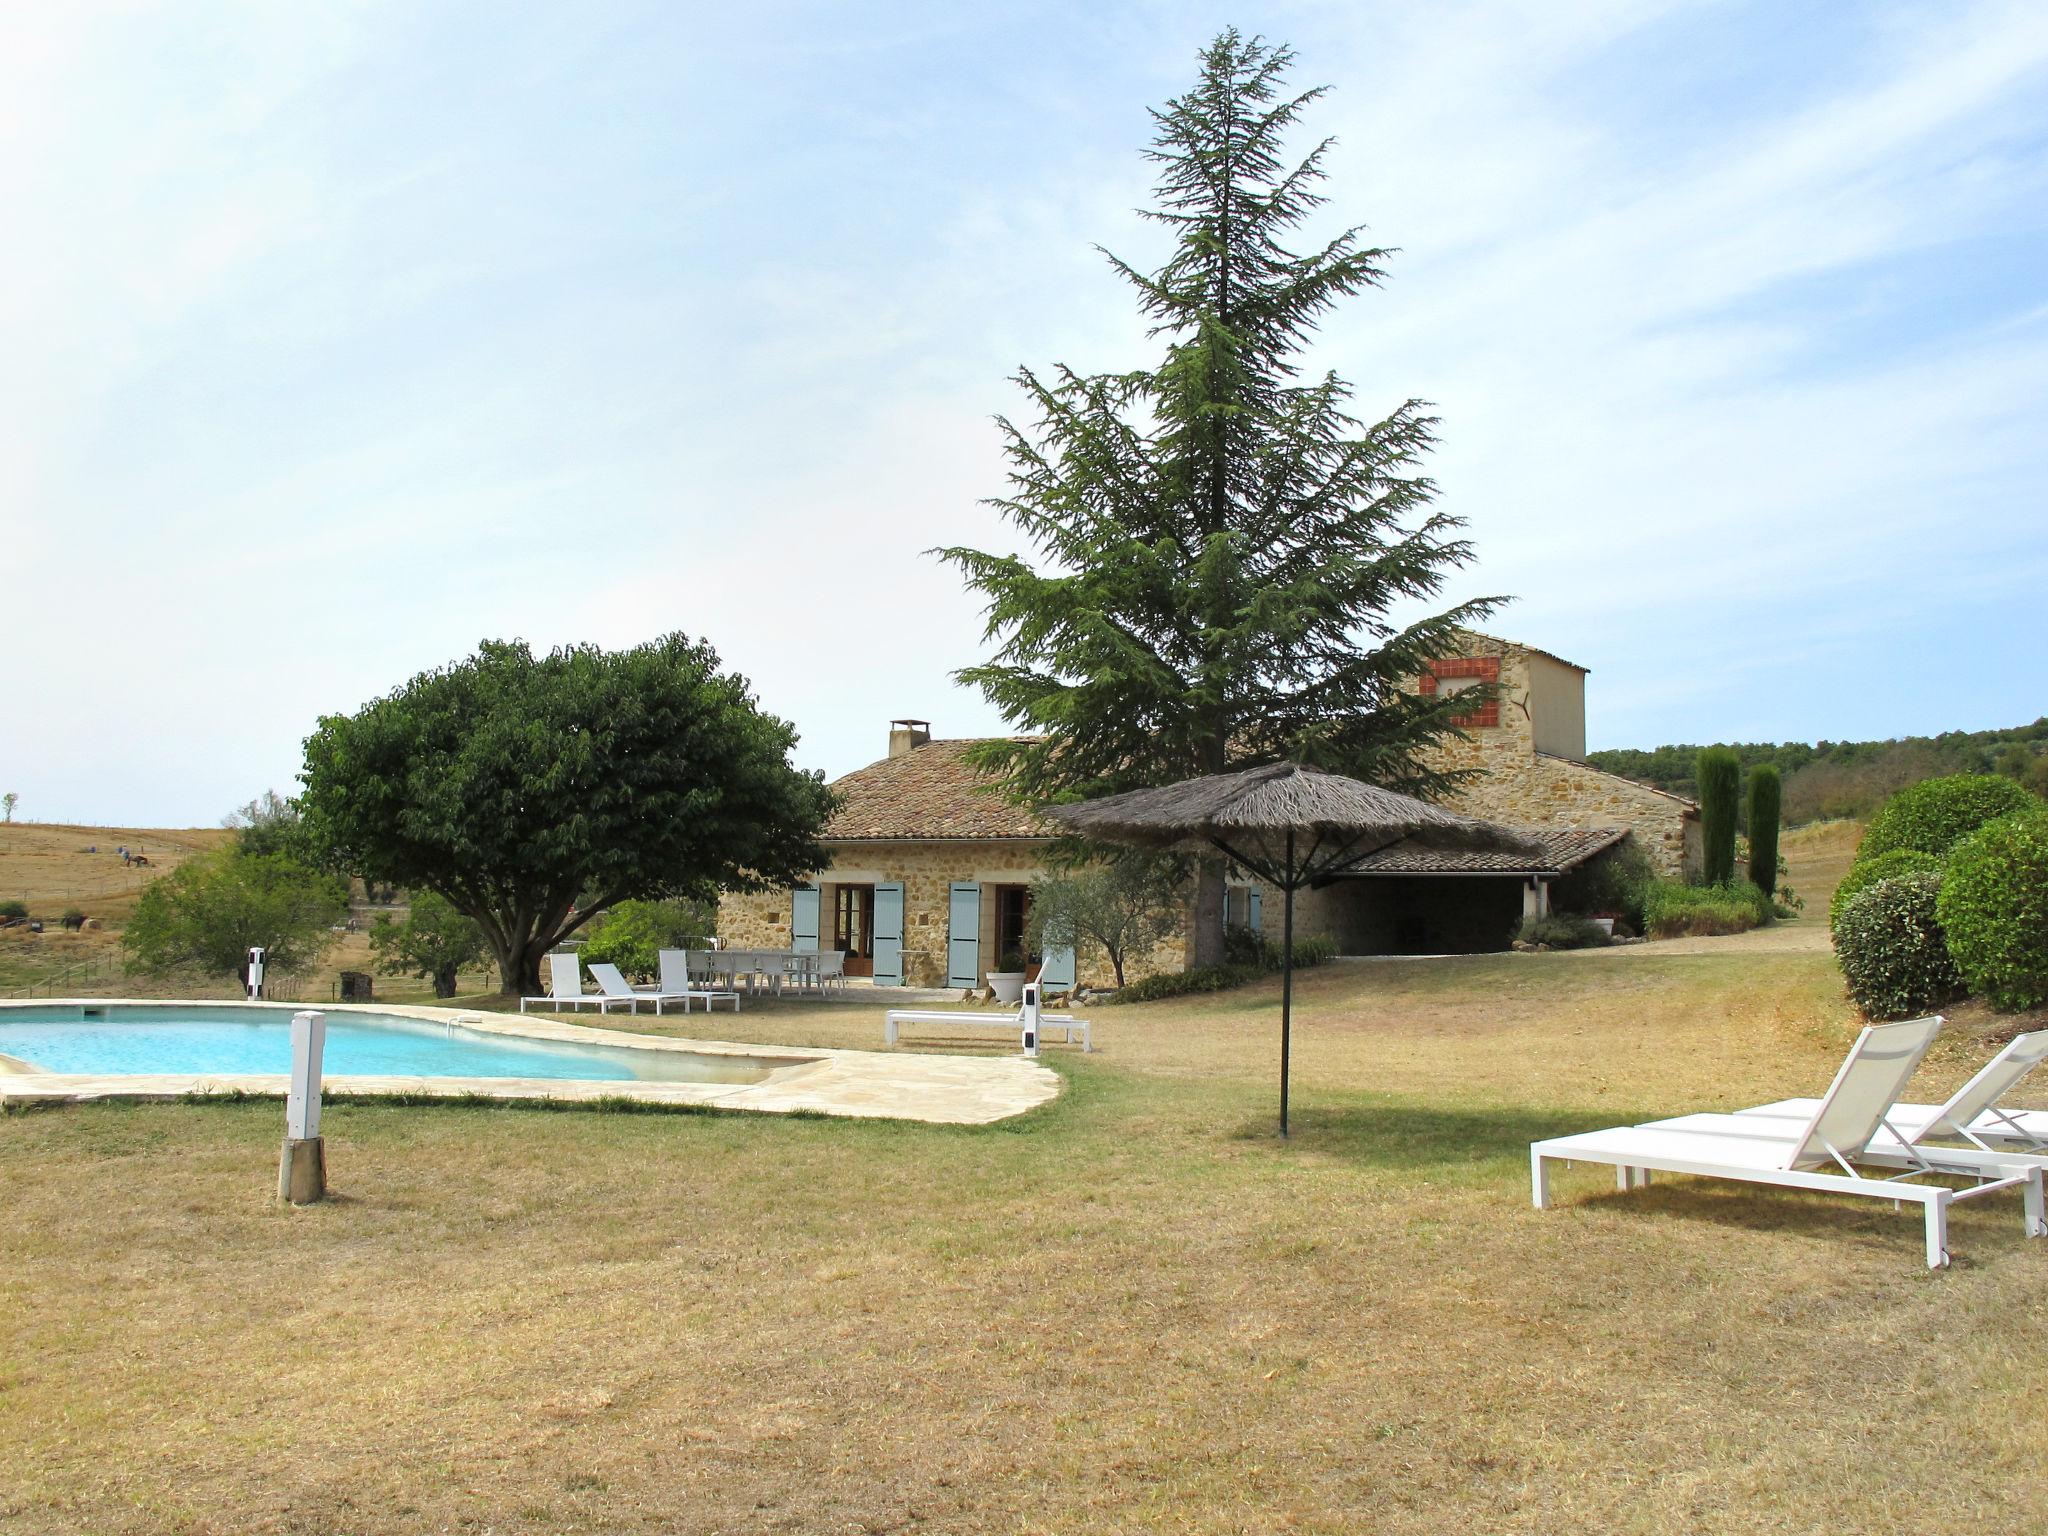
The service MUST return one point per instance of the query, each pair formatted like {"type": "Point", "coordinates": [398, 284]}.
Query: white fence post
{"type": "Point", "coordinates": [1030, 1018]}
{"type": "Point", "coordinates": [302, 1169]}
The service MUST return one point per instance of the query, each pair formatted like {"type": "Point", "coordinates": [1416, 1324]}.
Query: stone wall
{"type": "Point", "coordinates": [928, 870]}
{"type": "Point", "coordinates": [1525, 787]}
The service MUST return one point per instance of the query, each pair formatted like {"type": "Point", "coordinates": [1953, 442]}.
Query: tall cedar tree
{"type": "Point", "coordinates": [1221, 540]}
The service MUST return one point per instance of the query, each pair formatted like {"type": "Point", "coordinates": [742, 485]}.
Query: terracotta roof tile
{"type": "Point", "coordinates": [1563, 848]}
{"type": "Point", "coordinates": [931, 791]}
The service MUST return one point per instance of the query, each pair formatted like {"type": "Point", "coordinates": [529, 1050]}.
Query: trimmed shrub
{"type": "Point", "coordinates": [1994, 909]}
{"type": "Point", "coordinates": [1563, 932]}
{"type": "Point", "coordinates": [1766, 799]}
{"type": "Point", "coordinates": [1694, 911]}
{"type": "Point", "coordinates": [1892, 951]}
{"type": "Point", "coordinates": [1936, 814]}
{"type": "Point", "coordinates": [1865, 873]}
{"type": "Point", "coordinates": [1719, 772]}
{"type": "Point", "coordinates": [12, 909]}
{"type": "Point", "coordinates": [1247, 947]}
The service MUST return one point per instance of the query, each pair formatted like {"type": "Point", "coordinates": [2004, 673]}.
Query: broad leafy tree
{"type": "Point", "coordinates": [1219, 543]}
{"type": "Point", "coordinates": [270, 824]}
{"type": "Point", "coordinates": [206, 914]}
{"type": "Point", "coordinates": [434, 942]}
{"type": "Point", "coordinates": [535, 791]}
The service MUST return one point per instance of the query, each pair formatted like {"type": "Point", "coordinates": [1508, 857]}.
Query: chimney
{"type": "Point", "coordinates": [905, 734]}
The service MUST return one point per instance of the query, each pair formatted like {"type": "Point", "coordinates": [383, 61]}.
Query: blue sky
{"type": "Point", "coordinates": [340, 337]}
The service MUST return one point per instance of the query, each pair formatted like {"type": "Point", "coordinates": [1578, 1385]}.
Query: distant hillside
{"type": "Point", "coordinates": [1851, 778]}
{"type": "Point", "coordinates": [52, 866]}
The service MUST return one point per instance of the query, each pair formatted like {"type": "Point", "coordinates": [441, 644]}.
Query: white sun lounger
{"type": "Point", "coordinates": [1971, 1113]}
{"type": "Point", "coordinates": [565, 986]}
{"type": "Point", "coordinates": [616, 989]}
{"type": "Point", "coordinates": [675, 981]}
{"type": "Point", "coordinates": [1821, 1155]}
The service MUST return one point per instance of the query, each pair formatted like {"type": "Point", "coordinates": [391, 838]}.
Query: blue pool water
{"type": "Point", "coordinates": [138, 1037]}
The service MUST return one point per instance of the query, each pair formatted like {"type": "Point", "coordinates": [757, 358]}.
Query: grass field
{"type": "Point", "coordinates": [1135, 1309]}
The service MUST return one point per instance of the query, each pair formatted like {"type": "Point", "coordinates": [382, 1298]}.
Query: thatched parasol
{"type": "Point", "coordinates": [1290, 825]}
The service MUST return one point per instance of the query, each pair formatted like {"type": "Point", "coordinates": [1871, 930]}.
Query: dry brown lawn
{"type": "Point", "coordinates": [1136, 1309]}
{"type": "Point", "coordinates": [1819, 854]}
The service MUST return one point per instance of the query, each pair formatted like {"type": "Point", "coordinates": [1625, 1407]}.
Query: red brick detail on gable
{"type": "Point", "coordinates": [1485, 668]}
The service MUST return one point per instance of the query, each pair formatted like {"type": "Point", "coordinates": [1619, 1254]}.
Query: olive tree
{"type": "Point", "coordinates": [1124, 907]}
{"type": "Point", "coordinates": [533, 792]}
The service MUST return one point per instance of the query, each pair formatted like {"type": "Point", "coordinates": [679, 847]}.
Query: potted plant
{"type": "Point", "coordinates": [1007, 984]}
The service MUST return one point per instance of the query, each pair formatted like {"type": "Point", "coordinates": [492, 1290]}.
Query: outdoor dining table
{"type": "Point", "coordinates": [765, 969]}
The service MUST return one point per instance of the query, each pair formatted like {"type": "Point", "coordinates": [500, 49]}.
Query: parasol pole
{"type": "Point", "coordinates": [1286, 979]}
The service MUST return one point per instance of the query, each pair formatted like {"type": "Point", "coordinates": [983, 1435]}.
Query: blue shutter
{"type": "Point", "coordinates": [1258, 911]}
{"type": "Point", "coordinates": [803, 919]}
{"type": "Point", "coordinates": [1056, 970]}
{"type": "Point", "coordinates": [963, 936]}
{"type": "Point", "coordinates": [889, 934]}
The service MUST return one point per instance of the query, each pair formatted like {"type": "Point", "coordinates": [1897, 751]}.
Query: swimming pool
{"type": "Point", "coordinates": [233, 1039]}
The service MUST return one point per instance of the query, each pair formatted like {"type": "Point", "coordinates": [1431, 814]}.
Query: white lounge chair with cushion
{"type": "Point", "coordinates": [617, 990]}
{"type": "Point", "coordinates": [676, 981]}
{"type": "Point", "coordinates": [1821, 1155]}
{"type": "Point", "coordinates": [565, 986]}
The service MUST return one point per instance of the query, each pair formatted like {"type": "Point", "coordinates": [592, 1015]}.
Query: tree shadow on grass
{"type": "Point", "coordinates": [1405, 1135]}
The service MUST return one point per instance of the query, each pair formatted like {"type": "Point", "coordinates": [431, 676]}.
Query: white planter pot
{"type": "Point", "coordinates": [1006, 986]}
{"type": "Point", "coordinates": [1606, 925]}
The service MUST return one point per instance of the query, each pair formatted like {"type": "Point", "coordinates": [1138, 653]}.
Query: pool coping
{"type": "Point", "coordinates": [892, 1085]}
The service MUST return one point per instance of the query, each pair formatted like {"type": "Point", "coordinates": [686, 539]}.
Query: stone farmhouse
{"type": "Point", "coordinates": [931, 871]}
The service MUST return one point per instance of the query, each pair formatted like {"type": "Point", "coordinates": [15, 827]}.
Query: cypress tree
{"type": "Point", "coordinates": [1766, 796]}
{"type": "Point", "coordinates": [1218, 541]}
{"type": "Point", "coordinates": [1720, 779]}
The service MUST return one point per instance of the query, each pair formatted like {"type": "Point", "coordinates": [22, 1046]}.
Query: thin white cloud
{"type": "Point", "coordinates": [341, 339]}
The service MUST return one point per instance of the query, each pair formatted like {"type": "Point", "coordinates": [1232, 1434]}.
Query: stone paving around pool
{"type": "Point", "coordinates": [891, 1085]}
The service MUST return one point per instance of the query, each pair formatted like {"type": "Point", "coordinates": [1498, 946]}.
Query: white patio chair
{"type": "Point", "coordinates": [677, 982]}
{"type": "Point", "coordinates": [565, 985]}
{"type": "Point", "coordinates": [1836, 1136]}
{"type": "Point", "coordinates": [832, 971]}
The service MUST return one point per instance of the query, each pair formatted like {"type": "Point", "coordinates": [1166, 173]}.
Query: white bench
{"type": "Point", "coordinates": [1012, 1023]}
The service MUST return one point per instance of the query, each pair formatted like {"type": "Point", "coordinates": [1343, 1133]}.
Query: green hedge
{"type": "Point", "coordinates": [1892, 950]}
{"type": "Point", "coordinates": [1936, 814]}
{"type": "Point", "coordinates": [1865, 873]}
{"type": "Point", "coordinates": [1563, 932]}
{"type": "Point", "coordinates": [1683, 911]}
{"type": "Point", "coordinates": [1994, 910]}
